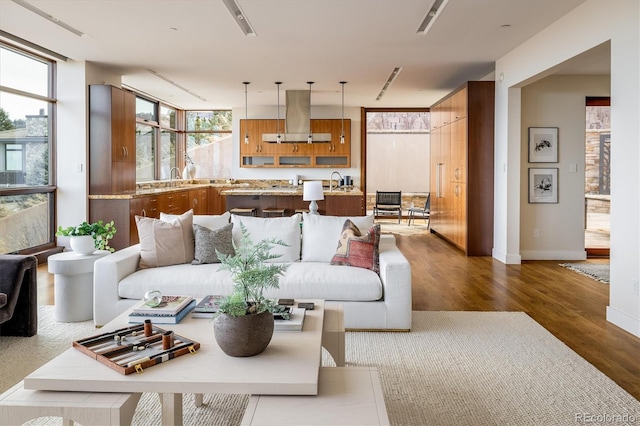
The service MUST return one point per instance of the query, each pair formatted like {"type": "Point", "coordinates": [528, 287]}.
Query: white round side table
{"type": "Point", "coordinates": [73, 284]}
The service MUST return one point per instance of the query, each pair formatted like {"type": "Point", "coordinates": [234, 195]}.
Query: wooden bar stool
{"type": "Point", "coordinates": [243, 211]}
{"type": "Point", "coordinates": [301, 211]}
{"type": "Point", "coordinates": [272, 212]}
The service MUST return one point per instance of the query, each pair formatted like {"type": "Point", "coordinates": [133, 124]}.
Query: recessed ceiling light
{"type": "Point", "coordinates": [391, 79]}
{"type": "Point", "coordinates": [48, 17]}
{"type": "Point", "coordinates": [432, 15]}
{"type": "Point", "coordinates": [239, 16]}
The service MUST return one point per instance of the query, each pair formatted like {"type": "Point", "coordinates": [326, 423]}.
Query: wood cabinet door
{"type": "Point", "coordinates": [198, 200]}
{"type": "Point", "coordinates": [459, 104]}
{"type": "Point", "coordinates": [459, 150]}
{"type": "Point", "coordinates": [123, 177]}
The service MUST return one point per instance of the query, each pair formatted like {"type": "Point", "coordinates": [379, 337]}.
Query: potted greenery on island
{"type": "Point", "coordinates": [89, 237]}
{"type": "Point", "coordinates": [244, 324]}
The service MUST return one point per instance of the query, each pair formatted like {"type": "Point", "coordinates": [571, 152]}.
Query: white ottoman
{"type": "Point", "coordinates": [73, 284]}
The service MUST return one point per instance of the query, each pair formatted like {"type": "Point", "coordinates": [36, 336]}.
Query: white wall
{"type": "Point", "coordinates": [72, 154]}
{"type": "Point", "coordinates": [319, 112]}
{"type": "Point", "coordinates": [390, 168]}
{"type": "Point", "coordinates": [589, 25]}
{"type": "Point", "coordinates": [557, 101]}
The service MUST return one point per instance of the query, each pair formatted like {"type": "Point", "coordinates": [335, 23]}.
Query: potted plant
{"type": "Point", "coordinates": [89, 237]}
{"type": "Point", "coordinates": [244, 324]}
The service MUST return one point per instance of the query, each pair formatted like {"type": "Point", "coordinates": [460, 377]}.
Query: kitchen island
{"type": "Point", "coordinates": [339, 202]}
{"type": "Point", "coordinates": [206, 197]}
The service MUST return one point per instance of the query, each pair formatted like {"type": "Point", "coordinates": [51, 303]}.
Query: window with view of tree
{"type": "Point", "coordinates": [209, 142]}
{"type": "Point", "coordinates": [26, 190]}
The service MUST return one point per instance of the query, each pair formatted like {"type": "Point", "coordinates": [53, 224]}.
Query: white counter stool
{"type": "Point", "coordinates": [242, 211]}
{"type": "Point", "coordinates": [73, 284]}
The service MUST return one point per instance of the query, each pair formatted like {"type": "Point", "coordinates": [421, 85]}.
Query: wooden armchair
{"type": "Point", "coordinates": [388, 203]}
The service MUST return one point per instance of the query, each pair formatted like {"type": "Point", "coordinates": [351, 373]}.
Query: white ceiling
{"type": "Point", "coordinates": [197, 44]}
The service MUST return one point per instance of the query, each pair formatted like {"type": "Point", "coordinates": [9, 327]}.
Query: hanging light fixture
{"type": "Point", "coordinates": [310, 137]}
{"type": "Point", "coordinates": [246, 123]}
{"type": "Point", "coordinates": [342, 134]}
{"type": "Point", "coordinates": [278, 137]}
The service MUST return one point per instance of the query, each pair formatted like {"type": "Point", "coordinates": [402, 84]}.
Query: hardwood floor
{"type": "Point", "coordinates": [569, 305]}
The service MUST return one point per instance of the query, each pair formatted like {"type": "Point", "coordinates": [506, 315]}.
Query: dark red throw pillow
{"type": "Point", "coordinates": [357, 249]}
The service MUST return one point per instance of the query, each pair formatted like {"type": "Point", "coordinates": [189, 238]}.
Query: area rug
{"type": "Point", "coordinates": [462, 368]}
{"type": "Point", "coordinates": [596, 271]}
{"type": "Point", "coordinates": [402, 228]}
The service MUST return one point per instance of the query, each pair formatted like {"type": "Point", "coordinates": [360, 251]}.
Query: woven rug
{"type": "Point", "coordinates": [462, 368]}
{"type": "Point", "coordinates": [596, 271]}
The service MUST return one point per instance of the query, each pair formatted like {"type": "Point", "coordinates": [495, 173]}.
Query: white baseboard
{"type": "Point", "coordinates": [508, 259]}
{"type": "Point", "coordinates": [624, 321]}
{"type": "Point", "coordinates": [553, 255]}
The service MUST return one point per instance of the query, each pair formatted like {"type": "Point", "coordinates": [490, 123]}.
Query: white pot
{"type": "Point", "coordinates": [82, 244]}
{"type": "Point", "coordinates": [189, 171]}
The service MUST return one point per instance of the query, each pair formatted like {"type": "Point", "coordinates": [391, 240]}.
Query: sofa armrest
{"type": "Point", "coordinates": [395, 274]}
{"type": "Point", "coordinates": [108, 271]}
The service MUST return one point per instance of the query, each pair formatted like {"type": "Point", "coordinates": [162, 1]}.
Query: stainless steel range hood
{"type": "Point", "coordinates": [298, 121]}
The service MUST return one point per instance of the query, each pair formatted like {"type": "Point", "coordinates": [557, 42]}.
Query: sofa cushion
{"type": "Point", "coordinates": [211, 241]}
{"type": "Point", "coordinates": [303, 280]}
{"type": "Point", "coordinates": [286, 229]}
{"type": "Point", "coordinates": [358, 249]}
{"type": "Point", "coordinates": [320, 235]}
{"type": "Point", "coordinates": [165, 243]}
{"type": "Point", "coordinates": [210, 221]}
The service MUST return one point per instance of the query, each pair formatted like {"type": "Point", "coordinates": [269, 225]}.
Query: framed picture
{"type": "Point", "coordinates": [543, 185]}
{"type": "Point", "coordinates": [543, 144]}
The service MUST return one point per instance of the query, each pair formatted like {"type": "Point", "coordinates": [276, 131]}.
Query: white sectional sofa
{"type": "Point", "coordinates": [372, 301]}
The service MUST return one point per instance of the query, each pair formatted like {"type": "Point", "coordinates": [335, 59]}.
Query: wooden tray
{"type": "Point", "coordinates": [124, 359]}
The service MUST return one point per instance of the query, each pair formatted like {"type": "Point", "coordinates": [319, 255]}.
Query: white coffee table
{"type": "Point", "coordinates": [289, 366]}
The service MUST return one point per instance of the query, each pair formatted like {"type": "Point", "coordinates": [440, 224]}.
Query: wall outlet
{"type": "Point", "coordinates": [536, 232]}
{"type": "Point", "coordinates": [634, 287]}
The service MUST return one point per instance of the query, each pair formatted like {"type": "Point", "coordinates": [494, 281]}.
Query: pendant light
{"type": "Point", "coordinates": [278, 137]}
{"type": "Point", "coordinates": [342, 134]}
{"type": "Point", "coordinates": [246, 123]}
{"type": "Point", "coordinates": [310, 137]}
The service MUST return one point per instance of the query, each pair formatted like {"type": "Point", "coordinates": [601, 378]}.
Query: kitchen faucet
{"type": "Point", "coordinates": [171, 175]}
{"type": "Point", "coordinates": [331, 180]}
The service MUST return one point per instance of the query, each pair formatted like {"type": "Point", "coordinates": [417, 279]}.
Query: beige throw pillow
{"type": "Point", "coordinates": [165, 243]}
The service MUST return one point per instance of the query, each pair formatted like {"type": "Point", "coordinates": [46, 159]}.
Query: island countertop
{"type": "Point", "coordinates": [288, 191]}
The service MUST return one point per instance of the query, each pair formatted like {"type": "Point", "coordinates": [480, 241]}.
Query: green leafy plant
{"type": "Point", "coordinates": [100, 231]}
{"type": "Point", "coordinates": [252, 275]}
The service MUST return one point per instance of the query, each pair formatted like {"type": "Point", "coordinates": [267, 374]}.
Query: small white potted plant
{"type": "Point", "coordinates": [89, 237]}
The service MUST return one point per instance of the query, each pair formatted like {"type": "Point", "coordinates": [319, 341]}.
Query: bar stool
{"type": "Point", "coordinates": [272, 212]}
{"type": "Point", "coordinates": [243, 211]}
{"type": "Point", "coordinates": [301, 211]}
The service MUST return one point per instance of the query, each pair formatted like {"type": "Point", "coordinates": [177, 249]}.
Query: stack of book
{"type": "Point", "coordinates": [207, 307]}
{"type": "Point", "coordinates": [171, 310]}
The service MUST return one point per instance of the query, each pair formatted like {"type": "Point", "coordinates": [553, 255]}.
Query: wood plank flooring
{"type": "Point", "coordinates": [569, 305]}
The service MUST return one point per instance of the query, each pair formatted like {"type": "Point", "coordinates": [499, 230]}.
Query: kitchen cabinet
{"type": "Point", "coordinates": [198, 200]}
{"type": "Point", "coordinates": [462, 141]}
{"type": "Point", "coordinates": [174, 202]}
{"type": "Point", "coordinates": [258, 153]}
{"type": "Point", "coordinates": [112, 140]}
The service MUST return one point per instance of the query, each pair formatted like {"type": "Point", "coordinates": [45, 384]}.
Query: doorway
{"type": "Point", "coordinates": [396, 146]}
{"type": "Point", "coordinates": [597, 176]}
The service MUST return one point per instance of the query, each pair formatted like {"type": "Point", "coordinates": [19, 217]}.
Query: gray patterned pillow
{"type": "Point", "coordinates": [210, 240]}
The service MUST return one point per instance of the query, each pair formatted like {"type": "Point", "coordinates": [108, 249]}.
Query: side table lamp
{"type": "Point", "coordinates": [312, 191]}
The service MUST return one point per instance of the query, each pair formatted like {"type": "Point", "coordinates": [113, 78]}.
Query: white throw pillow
{"type": "Point", "coordinates": [164, 243]}
{"type": "Point", "coordinates": [320, 234]}
{"type": "Point", "coordinates": [283, 228]}
{"type": "Point", "coordinates": [207, 220]}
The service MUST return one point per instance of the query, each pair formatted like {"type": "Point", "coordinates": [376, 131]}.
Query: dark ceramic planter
{"type": "Point", "coordinates": [248, 335]}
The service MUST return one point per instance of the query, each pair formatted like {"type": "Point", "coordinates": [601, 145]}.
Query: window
{"type": "Point", "coordinates": [27, 194]}
{"type": "Point", "coordinates": [209, 142]}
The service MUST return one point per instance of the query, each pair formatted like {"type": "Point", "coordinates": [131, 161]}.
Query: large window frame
{"type": "Point", "coordinates": [29, 191]}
